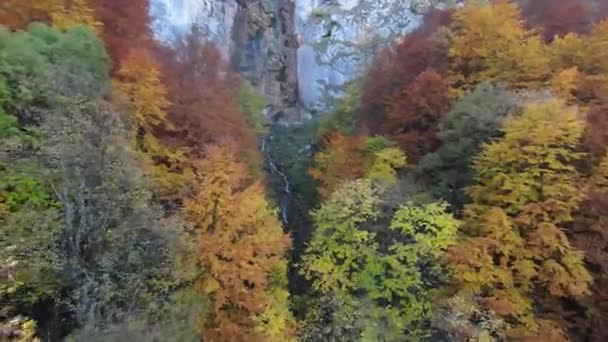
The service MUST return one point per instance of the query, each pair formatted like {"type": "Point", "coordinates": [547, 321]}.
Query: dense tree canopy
{"type": "Point", "coordinates": [126, 25]}
{"type": "Point", "coordinates": [415, 112]}
{"type": "Point", "coordinates": [348, 260]}
{"type": "Point", "coordinates": [474, 120]}
{"type": "Point", "coordinates": [490, 43]}
{"type": "Point", "coordinates": [96, 197]}
{"type": "Point", "coordinates": [395, 69]}
{"type": "Point", "coordinates": [457, 192]}
{"type": "Point", "coordinates": [525, 191]}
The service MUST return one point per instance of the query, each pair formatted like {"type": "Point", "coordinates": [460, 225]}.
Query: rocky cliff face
{"type": "Point", "coordinates": [264, 51]}
{"type": "Point", "coordinates": [340, 37]}
{"type": "Point", "coordinates": [299, 53]}
{"type": "Point", "coordinates": [256, 35]}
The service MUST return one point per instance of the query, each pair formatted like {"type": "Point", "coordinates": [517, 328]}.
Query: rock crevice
{"type": "Point", "coordinates": [300, 54]}
{"type": "Point", "coordinates": [265, 52]}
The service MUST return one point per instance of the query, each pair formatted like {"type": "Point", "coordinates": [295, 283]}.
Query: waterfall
{"type": "Point", "coordinates": [284, 191]}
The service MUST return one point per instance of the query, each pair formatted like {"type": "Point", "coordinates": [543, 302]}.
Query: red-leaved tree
{"type": "Point", "coordinates": [559, 17]}
{"type": "Point", "coordinates": [397, 67]}
{"type": "Point", "coordinates": [125, 24]}
{"type": "Point", "coordinates": [203, 106]}
{"type": "Point", "coordinates": [414, 114]}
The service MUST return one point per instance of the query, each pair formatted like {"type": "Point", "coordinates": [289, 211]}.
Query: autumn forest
{"type": "Point", "coordinates": [458, 190]}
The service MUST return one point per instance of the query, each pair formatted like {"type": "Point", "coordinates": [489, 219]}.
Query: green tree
{"type": "Point", "coordinates": [38, 69]}
{"type": "Point", "coordinates": [475, 119]}
{"type": "Point", "coordinates": [253, 105]}
{"type": "Point", "coordinates": [109, 226]}
{"type": "Point", "coordinates": [383, 286]}
{"type": "Point", "coordinates": [41, 64]}
{"type": "Point", "coordinates": [30, 261]}
{"type": "Point", "coordinates": [82, 235]}
{"type": "Point", "coordinates": [385, 164]}
{"type": "Point", "coordinates": [405, 276]}
{"type": "Point", "coordinates": [339, 247]}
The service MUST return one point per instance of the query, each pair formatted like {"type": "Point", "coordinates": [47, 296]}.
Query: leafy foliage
{"type": "Point", "coordinates": [17, 14]}
{"type": "Point", "coordinates": [384, 286]}
{"type": "Point", "coordinates": [31, 59]}
{"type": "Point", "coordinates": [342, 118]}
{"type": "Point", "coordinates": [241, 244]}
{"type": "Point", "coordinates": [589, 235]}
{"type": "Point", "coordinates": [81, 234]}
{"type": "Point", "coordinates": [347, 158]}
{"type": "Point", "coordinates": [490, 43]}
{"type": "Point", "coordinates": [558, 18]}
{"type": "Point", "coordinates": [475, 119]}
{"type": "Point", "coordinates": [415, 113]}
{"type": "Point", "coordinates": [525, 191]}
{"type": "Point", "coordinates": [252, 104]}
{"type": "Point", "coordinates": [139, 81]}
{"type": "Point", "coordinates": [139, 86]}
{"type": "Point", "coordinates": [206, 114]}
{"type": "Point", "coordinates": [344, 158]}
{"type": "Point", "coordinates": [395, 69]}
{"type": "Point", "coordinates": [147, 218]}
{"type": "Point", "coordinates": [67, 13]}
{"type": "Point", "coordinates": [125, 25]}
{"type": "Point", "coordinates": [339, 248]}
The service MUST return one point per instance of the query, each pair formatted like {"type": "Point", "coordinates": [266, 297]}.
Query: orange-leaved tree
{"type": "Point", "coordinates": [343, 158]}
{"type": "Point", "coordinates": [138, 80]}
{"type": "Point", "coordinates": [242, 247]}
{"type": "Point", "coordinates": [68, 13]}
{"type": "Point", "coordinates": [588, 55]}
{"type": "Point", "coordinates": [16, 14]}
{"type": "Point", "coordinates": [202, 92]}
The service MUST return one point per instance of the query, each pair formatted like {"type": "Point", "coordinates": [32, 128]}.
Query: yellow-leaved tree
{"type": "Point", "coordinates": [491, 43]}
{"type": "Point", "coordinates": [62, 14]}
{"type": "Point", "coordinates": [515, 256]}
{"type": "Point", "coordinates": [243, 248]}
{"type": "Point", "coordinates": [138, 83]}
{"type": "Point", "coordinates": [68, 13]}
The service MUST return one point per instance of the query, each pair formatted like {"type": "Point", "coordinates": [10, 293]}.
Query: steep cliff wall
{"type": "Point", "coordinates": [299, 53]}
{"type": "Point", "coordinates": [338, 38]}
{"type": "Point", "coordinates": [264, 51]}
{"type": "Point", "coordinates": [256, 35]}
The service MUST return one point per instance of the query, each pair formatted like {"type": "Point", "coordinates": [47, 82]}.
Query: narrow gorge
{"type": "Point", "coordinates": [303, 170]}
{"type": "Point", "coordinates": [301, 55]}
